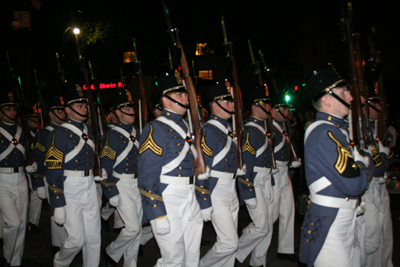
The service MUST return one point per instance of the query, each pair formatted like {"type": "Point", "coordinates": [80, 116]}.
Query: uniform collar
{"type": "Point", "coordinates": [127, 127]}
{"type": "Point", "coordinates": [219, 119]}
{"type": "Point", "coordinates": [256, 120]}
{"type": "Point", "coordinates": [339, 122]}
{"type": "Point", "coordinates": [78, 124]}
{"type": "Point", "coordinates": [171, 115]}
{"type": "Point", "coordinates": [7, 126]}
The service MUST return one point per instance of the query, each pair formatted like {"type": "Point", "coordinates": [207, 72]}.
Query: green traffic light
{"type": "Point", "coordinates": [287, 98]}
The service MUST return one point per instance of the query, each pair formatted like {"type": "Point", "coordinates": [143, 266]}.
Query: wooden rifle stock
{"type": "Point", "coordinates": [292, 148]}
{"type": "Point", "coordinates": [144, 112]}
{"type": "Point", "coordinates": [43, 111]}
{"type": "Point", "coordinates": [238, 125]}
{"type": "Point", "coordinates": [200, 162]}
{"type": "Point", "coordinates": [21, 104]}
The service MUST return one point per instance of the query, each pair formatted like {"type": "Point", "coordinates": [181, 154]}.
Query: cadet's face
{"type": "Point", "coordinates": [260, 113]}
{"type": "Point", "coordinates": [157, 113]}
{"type": "Point", "coordinates": [179, 97]}
{"type": "Point", "coordinates": [33, 122]}
{"type": "Point", "coordinates": [373, 114]}
{"type": "Point", "coordinates": [59, 119]}
{"type": "Point", "coordinates": [123, 117]}
{"type": "Point", "coordinates": [277, 115]}
{"type": "Point", "coordinates": [8, 114]}
{"type": "Point", "coordinates": [228, 105]}
{"type": "Point", "coordinates": [344, 93]}
{"type": "Point", "coordinates": [80, 108]}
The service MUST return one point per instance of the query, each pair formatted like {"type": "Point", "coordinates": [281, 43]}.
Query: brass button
{"type": "Point", "coordinates": [205, 198]}
{"type": "Point", "coordinates": [329, 118]}
{"type": "Point", "coordinates": [154, 206]}
{"type": "Point", "coordinates": [180, 168]}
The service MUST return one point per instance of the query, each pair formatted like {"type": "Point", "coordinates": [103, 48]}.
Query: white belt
{"type": "Point", "coordinates": [11, 170]}
{"type": "Point", "coordinates": [222, 175]}
{"type": "Point", "coordinates": [124, 175]}
{"type": "Point", "coordinates": [175, 180]}
{"type": "Point", "coordinates": [262, 169]}
{"type": "Point", "coordinates": [333, 202]}
{"type": "Point", "coordinates": [281, 163]}
{"type": "Point", "coordinates": [75, 173]}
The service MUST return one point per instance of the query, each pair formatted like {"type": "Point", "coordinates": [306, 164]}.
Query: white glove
{"type": "Point", "coordinates": [361, 208]}
{"type": "Point", "coordinates": [383, 149]}
{"type": "Point", "coordinates": [276, 170]}
{"type": "Point", "coordinates": [103, 176]}
{"type": "Point", "coordinates": [251, 203]}
{"type": "Point", "coordinates": [241, 171]}
{"type": "Point", "coordinates": [206, 213]}
{"type": "Point", "coordinates": [59, 215]}
{"type": "Point", "coordinates": [357, 157]}
{"type": "Point", "coordinates": [41, 192]}
{"type": "Point", "coordinates": [31, 168]}
{"type": "Point", "coordinates": [296, 164]}
{"type": "Point", "coordinates": [162, 225]}
{"type": "Point", "coordinates": [115, 201]}
{"type": "Point", "coordinates": [204, 176]}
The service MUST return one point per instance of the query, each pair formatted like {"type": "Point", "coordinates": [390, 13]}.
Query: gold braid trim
{"type": "Point", "coordinates": [206, 149]}
{"type": "Point", "coordinates": [343, 155]}
{"type": "Point", "coordinates": [390, 156]}
{"type": "Point", "coordinates": [245, 182]}
{"type": "Point", "coordinates": [376, 157]}
{"type": "Point", "coordinates": [54, 157]}
{"type": "Point", "coordinates": [150, 195]}
{"type": "Point", "coordinates": [202, 190]}
{"type": "Point", "coordinates": [247, 146]}
{"type": "Point", "coordinates": [38, 145]}
{"type": "Point", "coordinates": [56, 190]}
{"type": "Point", "coordinates": [150, 144]}
{"type": "Point", "coordinates": [107, 151]}
{"type": "Point", "coordinates": [108, 184]}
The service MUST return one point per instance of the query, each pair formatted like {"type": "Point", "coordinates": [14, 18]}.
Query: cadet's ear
{"type": "Point", "coordinates": [326, 101]}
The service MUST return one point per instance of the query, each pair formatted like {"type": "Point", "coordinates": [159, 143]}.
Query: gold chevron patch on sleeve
{"type": "Point", "coordinates": [107, 151]}
{"type": "Point", "coordinates": [38, 145]}
{"type": "Point", "coordinates": [247, 146]}
{"type": "Point", "coordinates": [150, 195]}
{"type": "Point", "coordinates": [343, 155]}
{"type": "Point", "coordinates": [54, 157]}
{"type": "Point", "coordinates": [202, 190]}
{"type": "Point", "coordinates": [206, 149]}
{"type": "Point", "coordinates": [150, 144]}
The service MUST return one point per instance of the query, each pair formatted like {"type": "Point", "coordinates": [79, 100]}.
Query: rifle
{"type": "Point", "coordinates": [200, 162]}
{"type": "Point", "coordinates": [238, 125]}
{"type": "Point", "coordinates": [43, 112]}
{"type": "Point", "coordinates": [143, 107]}
{"type": "Point", "coordinates": [102, 116]}
{"type": "Point", "coordinates": [95, 124]}
{"type": "Point", "coordinates": [60, 71]}
{"type": "Point", "coordinates": [20, 101]}
{"type": "Point", "coordinates": [357, 124]}
{"type": "Point", "coordinates": [292, 148]}
{"type": "Point", "coordinates": [268, 121]}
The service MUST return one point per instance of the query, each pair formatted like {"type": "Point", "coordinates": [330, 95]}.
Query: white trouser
{"type": "Point", "coordinates": [225, 220]}
{"type": "Point", "coordinates": [128, 241]}
{"type": "Point", "coordinates": [35, 205]}
{"type": "Point", "coordinates": [379, 231]}
{"type": "Point", "coordinates": [147, 235]}
{"type": "Point", "coordinates": [284, 209]}
{"type": "Point", "coordinates": [58, 233]}
{"type": "Point", "coordinates": [13, 207]}
{"type": "Point", "coordinates": [99, 189]}
{"type": "Point", "coordinates": [341, 247]}
{"type": "Point", "coordinates": [1, 226]}
{"type": "Point", "coordinates": [82, 222]}
{"type": "Point", "coordinates": [109, 210]}
{"type": "Point", "coordinates": [181, 247]}
{"type": "Point", "coordinates": [257, 235]}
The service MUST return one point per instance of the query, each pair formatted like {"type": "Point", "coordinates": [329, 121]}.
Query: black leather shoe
{"type": "Point", "coordinates": [290, 257]}
{"type": "Point", "coordinates": [109, 261]}
{"type": "Point", "coordinates": [104, 225]}
{"type": "Point", "coordinates": [205, 242]}
{"type": "Point", "coordinates": [33, 228]}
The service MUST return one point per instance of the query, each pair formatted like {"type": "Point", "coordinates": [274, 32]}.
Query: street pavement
{"type": "Point", "coordinates": [37, 246]}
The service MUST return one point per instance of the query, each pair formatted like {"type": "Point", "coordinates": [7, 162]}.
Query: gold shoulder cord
{"type": "Point", "coordinates": [151, 144]}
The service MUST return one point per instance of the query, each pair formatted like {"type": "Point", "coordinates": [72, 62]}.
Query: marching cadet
{"type": "Point", "coordinates": [220, 154]}
{"type": "Point", "coordinates": [13, 183]}
{"type": "Point", "coordinates": [42, 141]}
{"type": "Point", "coordinates": [166, 179]}
{"type": "Point", "coordinates": [72, 190]}
{"type": "Point", "coordinates": [377, 215]}
{"type": "Point", "coordinates": [336, 176]}
{"type": "Point", "coordinates": [283, 191]}
{"type": "Point", "coordinates": [257, 155]}
{"type": "Point", "coordinates": [119, 156]}
{"type": "Point", "coordinates": [35, 203]}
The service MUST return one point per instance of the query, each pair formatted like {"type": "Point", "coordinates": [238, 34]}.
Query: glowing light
{"type": "Point", "coordinates": [77, 31]}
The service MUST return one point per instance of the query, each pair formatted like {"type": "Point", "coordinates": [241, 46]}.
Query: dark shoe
{"type": "Point", "coordinates": [33, 228]}
{"type": "Point", "coordinates": [140, 253]}
{"type": "Point", "coordinates": [104, 225]}
{"type": "Point", "coordinates": [54, 250]}
{"type": "Point", "coordinates": [109, 261]}
{"type": "Point", "coordinates": [118, 230]}
{"type": "Point", "coordinates": [290, 257]}
{"type": "Point", "coordinates": [205, 242]}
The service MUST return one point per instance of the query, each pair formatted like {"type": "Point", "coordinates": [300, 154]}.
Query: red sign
{"type": "Point", "coordinates": [106, 85]}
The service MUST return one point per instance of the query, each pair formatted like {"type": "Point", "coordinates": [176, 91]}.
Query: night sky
{"type": "Point", "coordinates": [296, 37]}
